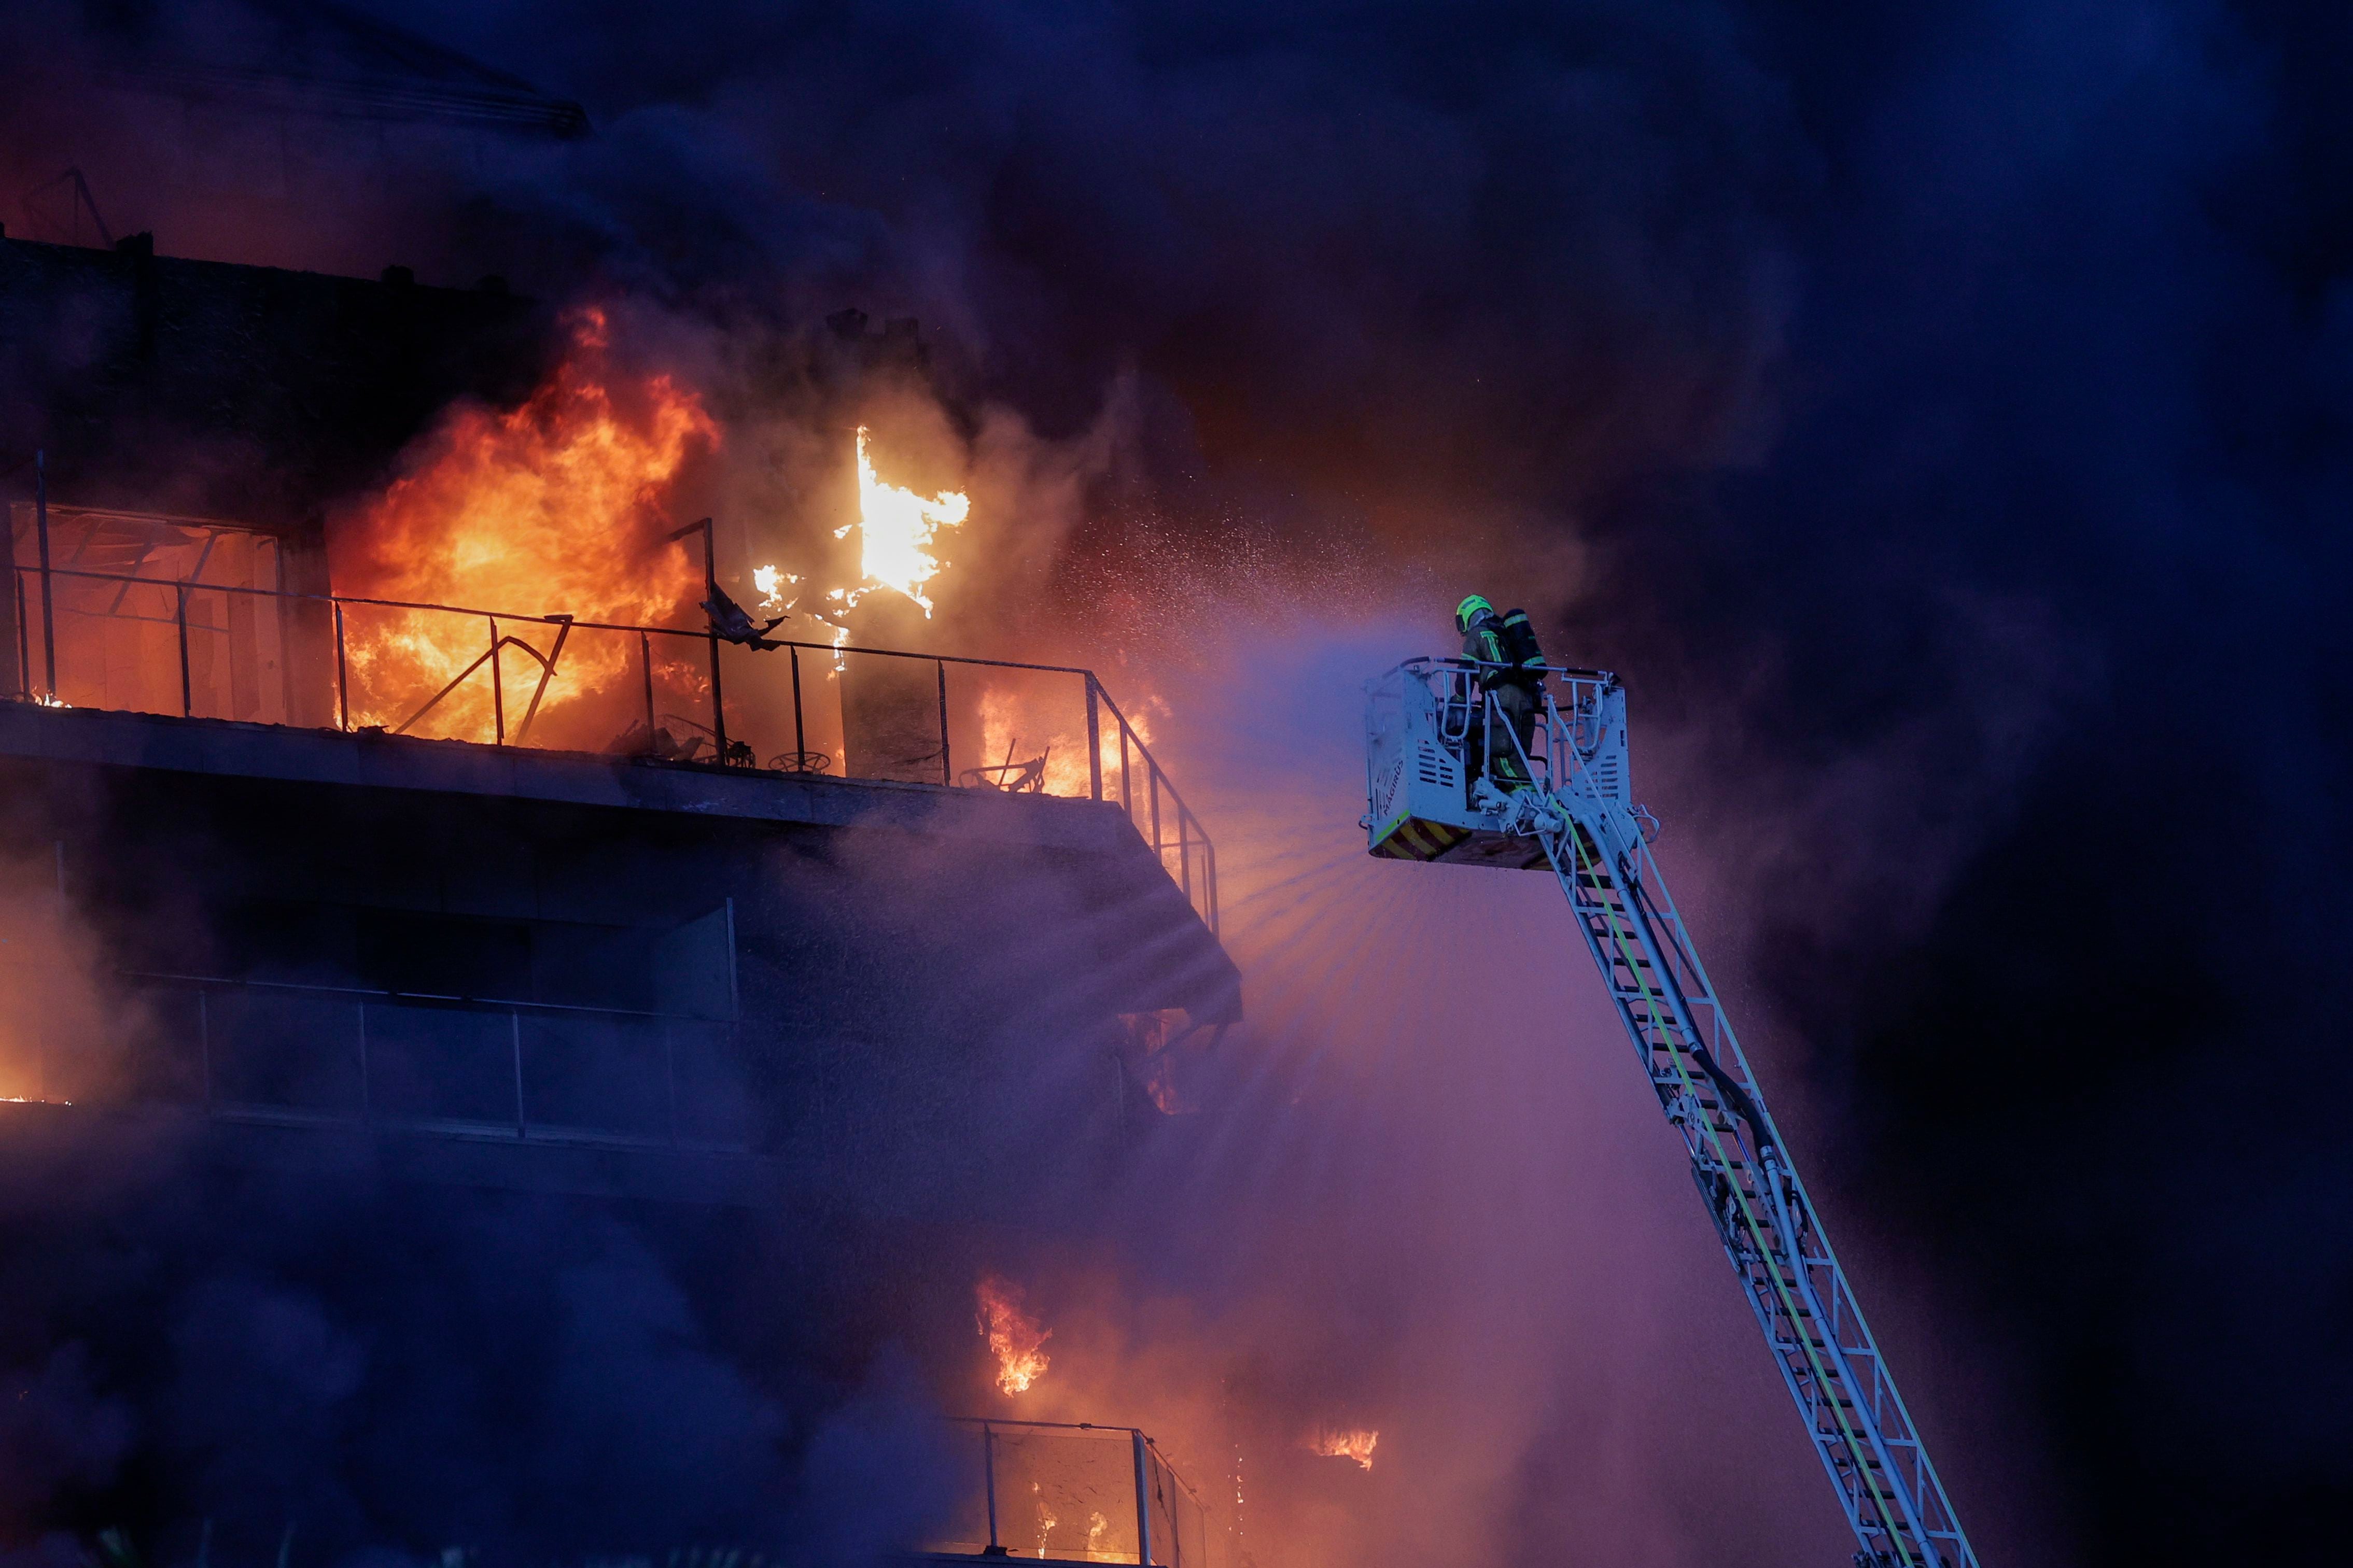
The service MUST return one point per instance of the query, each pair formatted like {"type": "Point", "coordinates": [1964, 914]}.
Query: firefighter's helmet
{"type": "Point", "coordinates": [1469, 609]}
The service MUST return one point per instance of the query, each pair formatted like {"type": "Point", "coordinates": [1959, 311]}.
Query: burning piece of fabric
{"type": "Point", "coordinates": [1354, 1443]}
{"type": "Point", "coordinates": [1014, 1336]}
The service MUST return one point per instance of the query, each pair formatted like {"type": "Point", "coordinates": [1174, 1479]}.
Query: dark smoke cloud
{"type": "Point", "coordinates": [394, 1371]}
{"type": "Point", "coordinates": [1941, 415]}
{"type": "Point", "coordinates": [1387, 250]}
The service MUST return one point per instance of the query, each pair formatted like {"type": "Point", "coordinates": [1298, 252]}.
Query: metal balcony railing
{"type": "Point", "coordinates": [173, 642]}
{"type": "Point", "coordinates": [305, 1055]}
{"type": "Point", "coordinates": [1074, 1493]}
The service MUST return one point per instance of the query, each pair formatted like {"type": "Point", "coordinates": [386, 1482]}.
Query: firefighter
{"type": "Point", "coordinates": [1512, 671]}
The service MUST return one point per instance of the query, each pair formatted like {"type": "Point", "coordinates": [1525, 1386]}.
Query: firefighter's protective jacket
{"type": "Point", "coordinates": [1483, 640]}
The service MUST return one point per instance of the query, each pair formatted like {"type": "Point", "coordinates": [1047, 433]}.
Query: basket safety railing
{"type": "Point", "coordinates": [1568, 720]}
{"type": "Point", "coordinates": [84, 637]}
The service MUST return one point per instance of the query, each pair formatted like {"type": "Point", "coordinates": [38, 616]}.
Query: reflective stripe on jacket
{"type": "Point", "coordinates": [1484, 640]}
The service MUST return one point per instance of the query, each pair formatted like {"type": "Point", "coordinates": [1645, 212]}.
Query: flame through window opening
{"type": "Point", "coordinates": [1015, 1337]}
{"type": "Point", "coordinates": [1354, 1444]}
{"type": "Point", "coordinates": [898, 532]}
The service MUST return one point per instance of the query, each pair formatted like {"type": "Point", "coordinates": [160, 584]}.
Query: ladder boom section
{"type": "Point", "coordinates": [1592, 841]}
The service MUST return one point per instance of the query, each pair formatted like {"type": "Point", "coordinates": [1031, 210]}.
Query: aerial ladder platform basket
{"type": "Point", "coordinates": [1435, 741]}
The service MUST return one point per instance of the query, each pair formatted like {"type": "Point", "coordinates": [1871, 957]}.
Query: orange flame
{"type": "Point", "coordinates": [554, 508]}
{"type": "Point", "coordinates": [1014, 1336]}
{"type": "Point", "coordinates": [1356, 1443]}
{"type": "Point", "coordinates": [1050, 728]}
{"type": "Point", "coordinates": [1046, 1517]}
{"type": "Point", "coordinates": [896, 530]}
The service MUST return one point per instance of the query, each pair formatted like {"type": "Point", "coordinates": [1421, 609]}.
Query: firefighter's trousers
{"type": "Point", "coordinates": [1518, 706]}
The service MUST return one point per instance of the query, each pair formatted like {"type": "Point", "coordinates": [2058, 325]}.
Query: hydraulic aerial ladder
{"type": "Point", "coordinates": [1433, 739]}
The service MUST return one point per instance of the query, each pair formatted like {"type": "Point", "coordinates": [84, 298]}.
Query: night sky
{"type": "Point", "coordinates": [1943, 413]}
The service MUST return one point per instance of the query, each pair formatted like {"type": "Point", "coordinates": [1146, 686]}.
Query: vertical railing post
{"type": "Point", "coordinates": [989, 1477]}
{"type": "Point", "coordinates": [718, 701]}
{"type": "Point", "coordinates": [645, 663]}
{"type": "Point", "coordinates": [1210, 868]}
{"type": "Point", "coordinates": [1152, 786]}
{"type": "Point", "coordinates": [187, 704]}
{"type": "Point", "coordinates": [800, 732]}
{"type": "Point", "coordinates": [497, 688]}
{"type": "Point", "coordinates": [946, 775]}
{"type": "Point", "coordinates": [1126, 772]}
{"type": "Point", "coordinates": [343, 672]}
{"type": "Point", "coordinates": [1142, 1504]}
{"type": "Point", "coordinates": [49, 604]}
{"type": "Point", "coordinates": [710, 592]}
{"type": "Point", "coordinates": [24, 632]}
{"type": "Point", "coordinates": [1095, 740]}
{"type": "Point", "coordinates": [15, 590]}
{"type": "Point", "coordinates": [1492, 716]}
{"type": "Point", "coordinates": [514, 1018]}
{"type": "Point", "coordinates": [1184, 853]}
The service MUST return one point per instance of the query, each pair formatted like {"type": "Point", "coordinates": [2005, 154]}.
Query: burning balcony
{"type": "Point", "coordinates": [1069, 1493]}
{"type": "Point", "coordinates": [150, 613]}
{"type": "Point", "coordinates": [202, 618]}
{"type": "Point", "coordinates": [569, 885]}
